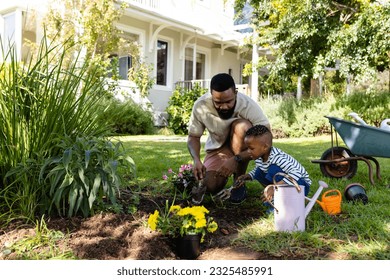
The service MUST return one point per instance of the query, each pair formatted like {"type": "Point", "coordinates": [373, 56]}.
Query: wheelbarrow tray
{"type": "Point", "coordinates": [363, 140]}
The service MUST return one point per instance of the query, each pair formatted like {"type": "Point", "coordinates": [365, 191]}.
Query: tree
{"type": "Point", "coordinates": [306, 36]}
{"type": "Point", "coordinates": [90, 24]}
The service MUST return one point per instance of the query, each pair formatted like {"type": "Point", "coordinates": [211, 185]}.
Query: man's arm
{"type": "Point", "coordinates": [193, 145]}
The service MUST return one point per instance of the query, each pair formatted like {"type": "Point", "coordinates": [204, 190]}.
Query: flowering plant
{"type": "Point", "coordinates": [177, 221]}
{"type": "Point", "coordinates": [182, 180]}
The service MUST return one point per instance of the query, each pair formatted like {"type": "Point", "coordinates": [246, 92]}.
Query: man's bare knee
{"type": "Point", "coordinates": [213, 182]}
{"type": "Point", "coordinates": [240, 126]}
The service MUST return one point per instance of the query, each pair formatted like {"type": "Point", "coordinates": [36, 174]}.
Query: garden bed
{"type": "Point", "coordinates": [109, 236]}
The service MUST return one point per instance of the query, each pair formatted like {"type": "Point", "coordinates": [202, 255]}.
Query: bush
{"type": "Point", "coordinates": [85, 172]}
{"type": "Point", "coordinates": [305, 118]}
{"type": "Point", "coordinates": [42, 99]}
{"type": "Point", "coordinates": [372, 107]}
{"type": "Point", "coordinates": [180, 107]}
{"type": "Point", "coordinates": [292, 118]}
{"type": "Point", "coordinates": [127, 117]}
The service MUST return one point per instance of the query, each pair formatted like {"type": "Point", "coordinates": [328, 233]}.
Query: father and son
{"type": "Point", "coordinates": [238, 131]}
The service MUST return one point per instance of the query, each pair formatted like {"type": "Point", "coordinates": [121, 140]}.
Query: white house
{"type": "Point", "coordinates": [184, 40]}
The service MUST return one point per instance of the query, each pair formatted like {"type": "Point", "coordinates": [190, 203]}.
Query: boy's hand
{"type": "Point", "coordinates": [241, 180]}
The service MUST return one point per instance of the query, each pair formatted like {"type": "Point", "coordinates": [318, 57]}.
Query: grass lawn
{"type": "Point", "coordinates": [359, 232]}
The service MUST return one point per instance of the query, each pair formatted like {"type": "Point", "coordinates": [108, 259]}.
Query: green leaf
{"type": "Point", "coordinates": [72, 201]}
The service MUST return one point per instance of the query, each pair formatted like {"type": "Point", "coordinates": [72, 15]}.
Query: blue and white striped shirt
{"type": "Point", "coordinates": [287, 163]}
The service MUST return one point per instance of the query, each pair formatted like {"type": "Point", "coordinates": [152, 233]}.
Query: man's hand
{"type": "Point", "coordinates": [227, 168]}
{"type": "Point", "coordinates": [199, 170]}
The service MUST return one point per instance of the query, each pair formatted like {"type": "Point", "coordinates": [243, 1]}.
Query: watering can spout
{"type": "Point", "coordinates": [322, 204]}
{"type": "Point", "coordinates": [313, 200]}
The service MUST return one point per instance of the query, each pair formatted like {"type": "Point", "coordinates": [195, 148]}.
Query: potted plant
{"type": "Point", "coordinates": [188, 225]}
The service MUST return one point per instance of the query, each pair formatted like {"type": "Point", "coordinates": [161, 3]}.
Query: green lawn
{"type": "Point", "coordinates": [359, 232]}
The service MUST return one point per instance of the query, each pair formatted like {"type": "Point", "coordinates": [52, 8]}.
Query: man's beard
{"type": "Point", "coordinates": [226, 114]}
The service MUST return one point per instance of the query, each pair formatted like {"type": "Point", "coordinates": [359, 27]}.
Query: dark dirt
{"type": "Point", "coordinates": [109, 236]}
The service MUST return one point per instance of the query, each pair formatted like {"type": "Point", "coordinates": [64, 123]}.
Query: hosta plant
{"type": "Point", "coordinates": [87, 171]}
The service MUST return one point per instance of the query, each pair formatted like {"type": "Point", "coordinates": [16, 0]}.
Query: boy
{"type": "Point", "coordinates": [270, 160]}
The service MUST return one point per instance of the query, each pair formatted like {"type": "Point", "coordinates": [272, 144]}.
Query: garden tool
{"type": "Point", "coordinates": [226, 193]}
{"type": "Point", "coordinates": [289, 204]}
{"type": "Point", "coordinates": [197, 193]}
{"type": "Point", "coordinates": [331, 204]}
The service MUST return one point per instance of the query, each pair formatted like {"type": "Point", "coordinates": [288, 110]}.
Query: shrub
{"type": "Point", "coordinates": [304, 118]}
{"type": "Point", "coordinates": [127, 117]}
{"type": "Point", "coordinates": [40, 100]}
{"type": "Point", "coordinates": [180, 107]}
{"type": "Point", "coordinates": [86, 171]}
{"type": "Point", "coordinates": [372, 107]}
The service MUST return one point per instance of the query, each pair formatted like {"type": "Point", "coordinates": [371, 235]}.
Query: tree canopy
{"type": "Point", "coordinates": [307, 36]}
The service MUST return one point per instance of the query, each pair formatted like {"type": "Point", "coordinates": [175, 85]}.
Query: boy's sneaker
{"type": "Point", "coordinates": [197, 194]}
{"type": "Point", "coordinates": [238, 195]}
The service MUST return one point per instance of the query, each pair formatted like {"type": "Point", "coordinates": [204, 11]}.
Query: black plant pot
{"type": "Point", "coordinates": [188, 246]}
{"type": "Point", "coordinates": [355, 192]}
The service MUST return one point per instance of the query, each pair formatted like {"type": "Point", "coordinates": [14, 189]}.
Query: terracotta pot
{"type": "Point", "coordinates": [355, 192]}
{"type": "Point", "coordinates": [188, 246]}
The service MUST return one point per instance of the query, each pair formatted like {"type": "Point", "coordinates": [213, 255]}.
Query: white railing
{"type": "Point", "coordinates": [148, 4]}
{"type": "Point", "coordinates": [189, 84]}
{"type": "Point", "coordinates": [213, 15]}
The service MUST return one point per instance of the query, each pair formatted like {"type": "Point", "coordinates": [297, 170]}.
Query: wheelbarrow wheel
{"type": "Point", "coordinates": [344, 169]}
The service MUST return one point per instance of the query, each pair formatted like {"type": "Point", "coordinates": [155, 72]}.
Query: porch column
{"type": "Point", "coordinates": [194, 61]}
{"type": "Point", "coordinates": [299, 88]}
{"type": "Point", "coordinates": [255, 73]}
{"type": "Point", "coordinates": [18, 33]}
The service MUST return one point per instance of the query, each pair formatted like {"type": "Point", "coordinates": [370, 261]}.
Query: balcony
{"type": "Point", "coordinates": [211, 16]}
{"type": "Point", "coordinates": [189, 84]}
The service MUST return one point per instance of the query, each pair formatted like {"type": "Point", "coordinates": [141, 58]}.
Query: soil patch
{"type": "Point", "coordinates": [109, 236]}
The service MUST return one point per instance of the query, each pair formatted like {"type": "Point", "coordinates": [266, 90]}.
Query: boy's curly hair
{"type": "Point", "coordinates": [257, 130]}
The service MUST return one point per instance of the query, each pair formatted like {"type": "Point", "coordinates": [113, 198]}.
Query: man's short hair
{"type": "Point", "coordinates": [222, 82]}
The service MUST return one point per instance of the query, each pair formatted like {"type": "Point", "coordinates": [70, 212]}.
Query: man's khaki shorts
{"type": "Point", "coordinates": [215, 158]}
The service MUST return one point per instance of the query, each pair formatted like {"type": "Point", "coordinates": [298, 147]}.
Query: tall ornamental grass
{"type": "Point", "coordinates": [41, 100]}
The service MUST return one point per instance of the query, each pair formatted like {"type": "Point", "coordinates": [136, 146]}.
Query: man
{"type": "Point", "coordinates": [226, 115]}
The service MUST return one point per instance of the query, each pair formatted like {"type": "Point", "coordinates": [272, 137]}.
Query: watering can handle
{"type": "Point", "coordinates": [291, 179]}
{"type": "Point", "coordinates": [266, 198]}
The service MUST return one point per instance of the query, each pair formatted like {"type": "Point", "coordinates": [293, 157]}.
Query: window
{"type": "Point", "coordinates": [122, 66]}
{"type": "Point", "coordinates": [9, 31]}
{"type": "Point", "coordinates": [122, 60]}
{"type": "Point", "coordinates": [189, 65]}
{"type": "Point", "coordinates": [162, 63]}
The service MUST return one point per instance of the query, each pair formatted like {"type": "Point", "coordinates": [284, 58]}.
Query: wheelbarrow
{"type": "Point", "coordinates": [364, 143]}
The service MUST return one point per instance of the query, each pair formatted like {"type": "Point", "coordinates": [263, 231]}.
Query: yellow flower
{"type": "Point", "coordinates": [213, 226]}
{"type": "Point", "coordinates": [201, 223]}
{"type": "Point", "coordinates": [174, 208]}
{"type": "Point", "coordinates": [152, 221]}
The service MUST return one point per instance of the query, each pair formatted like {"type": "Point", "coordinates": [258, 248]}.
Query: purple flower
{"type": "Point", "coordinates": [170, 170]}
{"type": "Point", "coordinates": [165, 177]}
